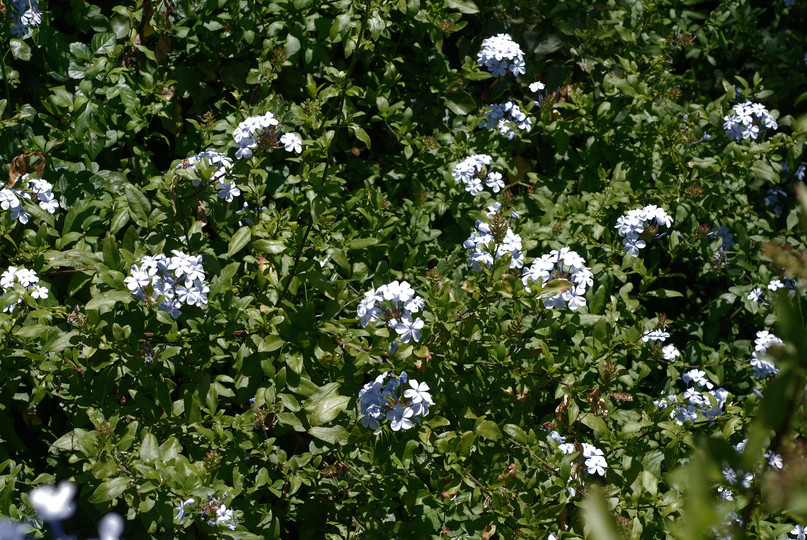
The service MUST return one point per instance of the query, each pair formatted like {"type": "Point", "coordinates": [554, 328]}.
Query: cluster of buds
{"type": "Point", "coordinates": [498, 235]}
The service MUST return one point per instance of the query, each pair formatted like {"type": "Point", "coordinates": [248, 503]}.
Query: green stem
{"type": "Point", "coordinates": [5, 83]}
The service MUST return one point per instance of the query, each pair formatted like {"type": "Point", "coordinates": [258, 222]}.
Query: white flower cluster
{"type": "Point", "coordinates": [594, 457]}
{"type": "Point", "coordinates": [746, 120]}
{"type": "Point", "coordinates": [55, 504]}
{"type": "Point", "coordinates": [481, 238]}
{"type": "Point", "coordinates": [766, 295]}
{"type": "Point", "coordinates": [633, 224]}
{"type": "Point", "coordinates": [393, 303]}
{"type": "Point", "coordinates": [499, 54]}
{"type": "Point", "coordinates": [252, 130]}
{"type": "Point", "coordinates": [26, 278]}
{"type": "Point", "coordinates": [262, 128]}
{"type": "Point", "coordinates": [507, 118]}
{"type": "Point", "coordinates": [564, 264]}
{"type": "Point", "coordinates": [27, 186]}
{"type": "Point", "coordinates": [655, 336]}
{"type": "Point", "coordinates": [172, 281]}
{"type": "Point", "coordinates": [215, 511]}
{"type": "Point", "coordinates": [472, 170]}
{"type": "Point", "coordinates": [379, 400]}
{"type": "Point", "coordinates": [696, 399]}
{"type": "Point", "coordinates": [221, 164]}
{"type": "Point", "coordinates": [762, 367]}
{"type": "Point", "coordinates": [26, 16]}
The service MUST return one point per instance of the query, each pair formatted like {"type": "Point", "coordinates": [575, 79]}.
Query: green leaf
{"type": "Point", "coordinates": [239, 240]}
{"type": "Point", "coordinates": [81, 51]}
{"type": "Point", "coordinates": [489, 430]}
{"type": "Point", "coordinates": [362, 136]}
{"type": "Point", "coordinates": [109, 490]}
{"type": "Point", "coordinates": [20, 50]}
{"type": "Point", "coordinates": [224, 279]}
{"type": "Point", "coordinates": [461, 103]}
{"type": "Point", "coordinates": [108, 299]}
{"type": "Point", "coordinates": [111, 252]}
{"type": "Point", "coordinates": [599, 523]}
{"type": "Point", "coordinates": [362, 243]}
{"type": "Point", "coordinates": [103, 43]}
{"type": "Point", "coordinates": [268, 246]}
{"type": "Point", "coordinates": [325, 404]}
{"type": "Point", "coordinates": [463, 6]}
{"type": "Point", "coordinates": [139, 205]}
{"type": "Point", "coordinates": [555, 286]}
{"type": "Point", "coordinates": [332, 435]}
{"type": "Point", "coordinates": [516, 433]}
{"type": "Point", "coordinates": [328, 409]}
{"type": "Point", "coordinates": [649, 483]}
{"type": "Point", "coordinates": [596, 423]}
{"type": "Point", "coordinates": [149, 449]}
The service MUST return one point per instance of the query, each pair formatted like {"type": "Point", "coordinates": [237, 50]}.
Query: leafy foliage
{"type": "Point", "coordinates": [251, 398]}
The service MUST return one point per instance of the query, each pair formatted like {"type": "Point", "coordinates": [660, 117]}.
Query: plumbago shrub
{"type": "Point", "coordinates": [402, 269]}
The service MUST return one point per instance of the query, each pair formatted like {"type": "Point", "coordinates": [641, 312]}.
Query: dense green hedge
{"type": "Point", "coordinates": [620, 411]}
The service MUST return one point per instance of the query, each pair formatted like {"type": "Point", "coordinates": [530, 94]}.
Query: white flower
{"type": "Point", "coordinates": [409, 329]}
{"type": "Point", "coordinates": [110, 527]}
{"type": "Point", "coordinates": [400, 417]}
{"type": "Point", "coordinates": [499, 54]}
{"type": "Point", "coordinates": [54, 503]}
{"type": "Point", "coordinates": [632, 224]}
{"type": "Point", "coordinates": [176, 280]}
{"type": "Point", "coordinates": [755, 294]}
{"type": "Point", "coordinates": [746, 120]}
{"type": "Point", "coordinates": [774, 460]}
{"type": "Point", "coordinates": [291, 143]}
{"type": "Point", "coordinates": [507, 118]}
{"type": "Point", "coordinates": [25, 278]}
{"type": "Point", "coordinates": [537, 86]}
{"type": "Point", "coordinates": [596, 464]}
{"type": "Point", "coordinates": [181, 508]}
{"type": "Point", "coordinates": [419, 392]}
{"type": "Point", "coordinates": [670, 353]}
{"type": "Point", "coordinates": [402, 408]}
{"type": "Point", "coordinates": [659, 336]}
{"type": "Point", "coordinates": [225, 517]}
{"type": "Point", "coordinates": [228, 190]}
{"type": "Point", "coordinates": [799, 531]}
{"type": "Point", "coordinates": [251, 130]}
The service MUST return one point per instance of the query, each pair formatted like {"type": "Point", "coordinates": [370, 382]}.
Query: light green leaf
{"type": "Point", "coordinates": [149, 449]}
{"type": "Point", "coordinates": [489, 430]}
{"type": "Point", "coordinates": [20, 50]}
{"type": "Point", "coordinates": [224, 279]}
{"type": "Point", "coordinates": [463, 6]}
{"type": "Point", "coordinates": [332, 435]}
{"type": "Point", "coordinates": [239, 240]}
{"type": "Point", "coordinates": [108, 299]}
{"type": "Point", "coordinates": [109, 490]}
{"type": "Point", "coordinates": [139, 205]}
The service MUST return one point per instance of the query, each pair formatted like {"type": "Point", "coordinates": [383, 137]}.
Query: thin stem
{"type": "Point", "coordinates": [5, 82]}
